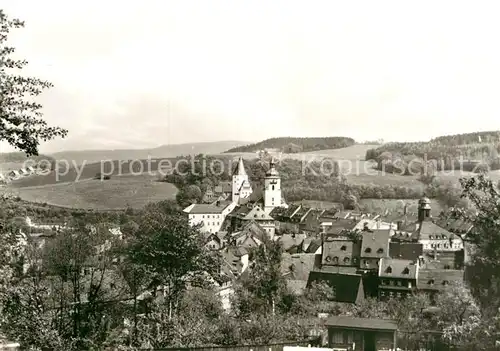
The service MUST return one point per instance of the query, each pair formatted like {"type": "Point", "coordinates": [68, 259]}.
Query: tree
{"type": "Point", "coordinates": [188, 195]}
{"type": "Point", "coordinates": [21, 123]}
{"type": "Point", "coordinates": [172, 251]}
{"type": "Point", "coordinates": [265, 281]}
{"type": "Point", "coordinates": [485, 237]}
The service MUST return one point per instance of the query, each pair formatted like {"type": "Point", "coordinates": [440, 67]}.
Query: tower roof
{"type": "Point", "coordinates": [240, 168]}
{"type": "Point", "coordinates": [272, 172]}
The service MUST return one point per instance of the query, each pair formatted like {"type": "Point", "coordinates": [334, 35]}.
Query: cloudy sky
{"type": "Point", "coordinates": [136, 74]}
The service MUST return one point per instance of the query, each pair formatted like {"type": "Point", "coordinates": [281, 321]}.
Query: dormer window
{"type": "Point", "coordinates": [346, 259]}
{"type": "Point", "coordinates": [388, 269]}
{"type": "Point", "coordinates": [379, 251]}
{"type": "Point", "coordinates": [431, 237]}
{"type": "Point", "coordinates": [431, 282]}
{"type": "Point", "coordinates": [368, 250]}
{"type": "Point", "coordinates": [444, 236]}
{"type": "Point", "coordinates": [343, 248]}
{"type": "Point", "coordinates": [335, 260]}
{"type": "Point", "coordinates": [445, 282]}
{"type": "Point", "coordinates": [406, 271]}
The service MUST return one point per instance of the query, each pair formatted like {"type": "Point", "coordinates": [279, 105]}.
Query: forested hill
{"type": "Point", "coordinates": [298, 144]}
{"type": "Point", "coordinates": [471, 144]}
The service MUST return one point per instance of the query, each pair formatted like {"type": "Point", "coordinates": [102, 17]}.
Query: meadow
{"type": "Point", "coordinates": [118, 192]}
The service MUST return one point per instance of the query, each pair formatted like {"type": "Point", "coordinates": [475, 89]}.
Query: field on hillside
{"type": "Point", "coordinates": [380, 205]}
{"type": "Point", "coordinates": [118, 192]}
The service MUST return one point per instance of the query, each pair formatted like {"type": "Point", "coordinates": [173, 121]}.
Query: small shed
{"type": "Point", "coordinates": [367, 334]}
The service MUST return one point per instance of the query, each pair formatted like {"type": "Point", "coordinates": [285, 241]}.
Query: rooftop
{"type": "Point", "coordinates": [362, 323]}
{"type": "Point", "coordinates": [397, 268]}
{"type": "Point", "coordinates": [375, 243]}
{"type": "Point", "coordinates": [207, 208]}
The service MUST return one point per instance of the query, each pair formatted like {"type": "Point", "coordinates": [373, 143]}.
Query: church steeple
{"type": "Point", "coordinates": [240, 168]}
{"type": "Point", "coordinates": [241, 184]}
{"type": "Point", "coordinates": [424, 209]}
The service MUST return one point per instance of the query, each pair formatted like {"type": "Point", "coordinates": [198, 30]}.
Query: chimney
{"type": "Point", "coordinates": [217, 203]}
{"type": "Point", "coordinates": [399, 225]}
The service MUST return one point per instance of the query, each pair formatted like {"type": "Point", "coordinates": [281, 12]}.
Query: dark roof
{"type": "Point", "coordinates": [433, 279]}
{"type": "Point", "coordinates": [375, 243]}
{"type": "Point", "coordinates": [314, 245]}
{"type": "Point", "coordinates": [290, 241]}
{"type": "Point", "coordinates": [340, 225]}
{"type": "Point", "coordinates": [429, 230]}
{"type": "Point", "coordinates": [299, 266]}
{"type": "Point", "coordinates": [347, 287]}
{"type": "Point", "coordinates": [290, 210]}
{"type": "Point", "coordinates": [362, 323]}
{"type": "Point", "coordinates": [455, 225]}
{"type": "Point", "coordinates": [405, 251]}
{"type": "Point", "coordinates": [224, 187]}
{"type": "Point", "coordinates": [301, 212]}
{"type": "Point", "coordinates": [396, 268]}
{"type": "Point", "coordinates": [340, 251]}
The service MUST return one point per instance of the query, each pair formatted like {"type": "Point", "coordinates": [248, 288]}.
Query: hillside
{"type": "Point", "coordinates": [117, 193]}
{"type": "Point", "coordinates": [299, 144]}
{"type": "Point", "coordinates": [91, 156]}
{"type": "Point", "coordinates": [15, 160]}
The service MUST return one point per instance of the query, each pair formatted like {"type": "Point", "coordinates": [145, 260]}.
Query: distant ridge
{"type": "Point", "coordinates": [91, 156]}
{"type": "Point", "coordinates": [297, 144]}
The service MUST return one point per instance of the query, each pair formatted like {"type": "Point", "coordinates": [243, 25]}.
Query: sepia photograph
{"type": "Point", "coordinates": [249, 175]}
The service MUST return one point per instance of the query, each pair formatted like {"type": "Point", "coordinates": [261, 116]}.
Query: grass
{"type": "Point", "coordinates": [118, 192]}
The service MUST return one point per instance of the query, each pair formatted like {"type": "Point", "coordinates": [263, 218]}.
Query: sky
{"type": "Point", "coordinates": [139, 74]}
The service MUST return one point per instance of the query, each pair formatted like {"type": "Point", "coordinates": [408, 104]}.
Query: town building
{"type": "Point", "coordinates": [209, 216]}
{"type": "Point", "coordinates": [349, 333]}
{"type": "Point", "coordinates": [397, 278]}
{"type": "Point", "coordinates": [272, 189]}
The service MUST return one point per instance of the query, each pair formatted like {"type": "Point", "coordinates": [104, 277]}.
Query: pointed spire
{"type": "Point", "coordinates": [240, 168]}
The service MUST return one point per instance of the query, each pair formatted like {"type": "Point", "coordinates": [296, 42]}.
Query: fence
{"type": "Point", "coordinates": [269, 347]}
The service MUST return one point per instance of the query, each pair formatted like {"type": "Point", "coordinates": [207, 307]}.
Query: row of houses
{"type": "Point", "coordinates": [16, 174]}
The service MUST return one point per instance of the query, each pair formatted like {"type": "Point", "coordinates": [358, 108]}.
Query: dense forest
{"type": "Point", "coordinates": [305, 144]}
{"type": "Point", "coordinates": [472, 152]}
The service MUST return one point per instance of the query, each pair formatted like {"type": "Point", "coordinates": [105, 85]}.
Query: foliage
{"type": "Point", "coordinates": [21, 123]}
{"type": "Point", "coordinates": [306, 144]}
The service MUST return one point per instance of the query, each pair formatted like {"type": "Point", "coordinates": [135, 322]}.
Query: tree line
{"type": "Point", "coordinates": [306, 144]}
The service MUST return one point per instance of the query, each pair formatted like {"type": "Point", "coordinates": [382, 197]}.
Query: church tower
{"type": "Point", "coordinates": [272, 188]}
{"type": "Point", "coordinates": [424, 209]}
{"type": "Point", "coordinates": [241, 187]}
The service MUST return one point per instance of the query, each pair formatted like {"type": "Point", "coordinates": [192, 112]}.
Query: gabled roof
{"type": "Point", "coordinates": [223, 187]}
{"type": "Point", "coordinates": [375, 243]}
{"type": "Point", "coordinates": [396, 268]}
{"type": "Point", "coordinates": [299, 266]}
{"type": "Point", "coordinates": [405, 250]}
{"type": "Point", "coordinates": [347, 287]}
{"type": "Point", "coordinates": [252, 228]}
{"type": "Point", "coordinates": [206, 208]}
{"type": "Point", "coordinates": [290, 241]}
{"type": "Point", "coordinates": [314, 245]}
{"type": "Point", "coordinates": [258, 214]}
{"type": "Point", "coordinates": [433, 279]}
{"type": "Point", "coordinates": [340, 225]}
{"type": "Point", "coordinates": [362, 323]}
{"type": "Point", "coordinates": [429, 230]}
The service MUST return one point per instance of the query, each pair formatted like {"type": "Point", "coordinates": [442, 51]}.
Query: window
{"type": "Point", "coordinates": [388, 269]}
{"type": "Point", "coordinates": [431, 237]}
{"type": "Point", "coordinates": [346, 259]}
{"type": "Point", "coordinates": [382, 293]}
{"type": "Point", "coordinates": [446, 266]}
{"type": "Point", "coordinates": [338, 337]}
{"type": "Point", "coordinates": [272, 187]}
{"type": "Point", "coordinates": [399, 295]}
{"type": "Point", "coordinates": [398, 283]}
{"type": "Point", "coordinates": [368, 250]}
{"type": "Point", "coordinates": [335, 259]}
{"type": "Point", "coordinates": [343, 248]}
{"type": "Point", "coordinates": [445, 282]}
{"type": "Point", "coordinates": [379, 251]}
{"type": "Point", "coordinates": [431, 282]}
{"type": "Point", "coordinates": [406, 271]}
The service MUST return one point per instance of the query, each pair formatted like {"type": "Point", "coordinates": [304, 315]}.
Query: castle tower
{"type": "Point", "coordinates": [272, 188]}
{"type": "Point", "coordinates": [241, 185]}
{"type": "Point", "coordinates": [424, 209]}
